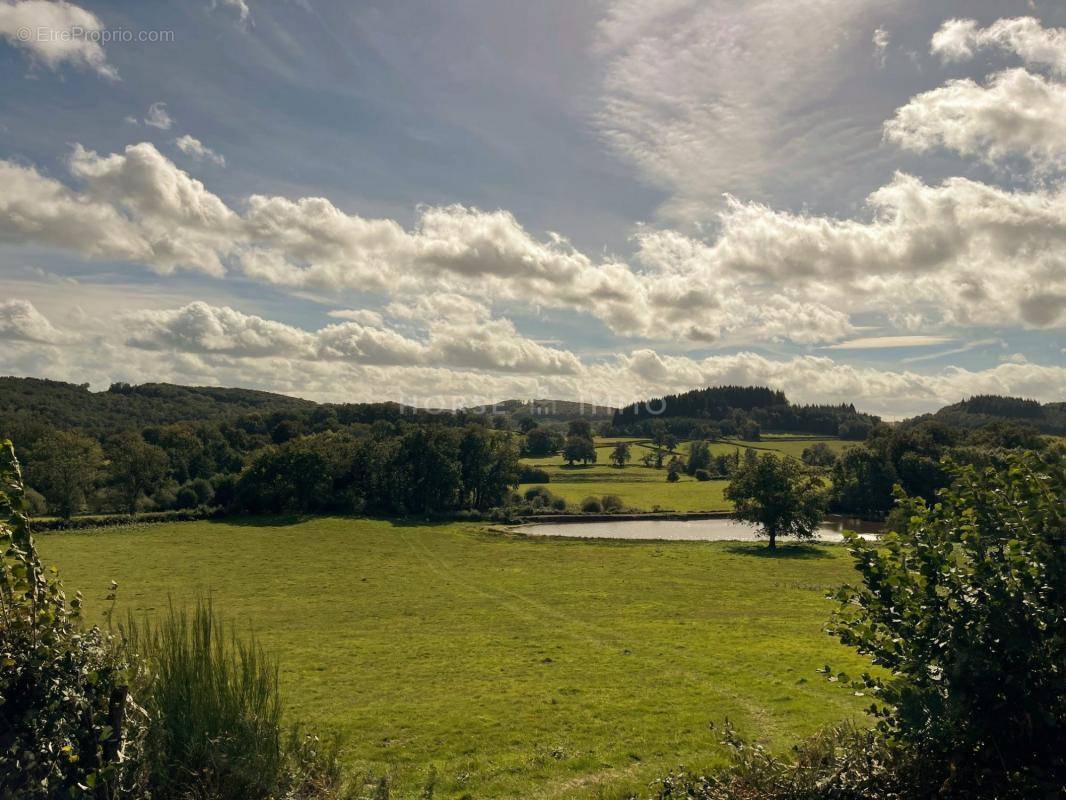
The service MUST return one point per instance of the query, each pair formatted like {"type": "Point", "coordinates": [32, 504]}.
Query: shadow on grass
{"type": "Point", "coordinates": [785, 551]}
{"type": "Point", "coordinates": [264, 521]}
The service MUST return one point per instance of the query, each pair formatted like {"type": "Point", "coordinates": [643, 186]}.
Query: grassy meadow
{"type": "Point", "coordinates": [494, 665]}
{"type": "Point", "coordinates": [646, 488]}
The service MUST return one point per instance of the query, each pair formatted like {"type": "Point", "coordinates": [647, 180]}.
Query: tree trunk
{"type": "Point", "coordinates": [773, 539]}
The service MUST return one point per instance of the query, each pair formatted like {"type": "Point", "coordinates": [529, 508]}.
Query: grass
{"type": "Point", "coordinates": [508, 667]}
{"type": "Point", "coordinates": [644, 488]}
{"type": "Point", "coordinates": [685, 495]}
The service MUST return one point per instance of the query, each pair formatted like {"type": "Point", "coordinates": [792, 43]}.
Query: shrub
{"type": "Point", "coordinates": [528, 474]}
{"type": "Point", "coordinates": [559, 504]}
{"type": "Point", "coordinates": [703, 475]}
{"type": "Point", "coordinates": [962, 610]}
{"type": "Point", "coordinates": [215, 715]}
{"type": "Point", "coordinates": [534, 492]}
{"type": "Point", "coordinates": [841, 762]}
{"type": "Point", "coordinates": [591, 505]}
{"type": "Point", "coordinates": [66, 719]}
{"type": "Point", "coordinates": [611, 502]}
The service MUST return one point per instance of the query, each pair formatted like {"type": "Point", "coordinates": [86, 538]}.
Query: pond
{"type": "Point", "coordinates": [692, 530]}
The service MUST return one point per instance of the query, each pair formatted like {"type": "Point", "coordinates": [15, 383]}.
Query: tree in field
{"type": "Point", "coordinates": [526, 424]}
{"type": "Point", "coordinates": [136, 467]}
{"type": "Point", "coordinates": [962, 611]}
{"type": "Point", "coordinates": [579, 448]}
{"type": "Point", "coordinates": [819, 455]}
{"type": "Point", "coordinates": [674, 469]}
{"type": "Point", "coordinates": [579, 427]}
{"type": "Point", "coordinates": [66, 468]}
{"type": "Point", "coordinates": [542, 442]}
{"type": "Point", "coordinates": [620, 455]}
{"type": "Point", "coordinates": [779, 496]}
{"type": "Point", "coordinates": [699, 457]}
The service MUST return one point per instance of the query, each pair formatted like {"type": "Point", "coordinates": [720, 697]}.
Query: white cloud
{"type": "Point", "coordinates": [157, 116]}
{"type": "Point", "coordinates": [363, 316]}
{"type": "Point", "coordinates": [240, 6]}
{"type": "Point", "coordinates": [209, 345]}
{"type": "Point", "coordinates": [881, 40]}
{"type": "Point", "coordinates": [713, 97]}
{"type": "Point", "coordinates": [960, 253]}
{"type": "Point", "coordinates": [19, 319]}
{"type": "Point", "coordinates": [1016, 114]}
{"type": "Point", "coordinates": [55, 32]}
{"type": "Point", "coordinates": [1026, 37]}
{"type": "Point", "coordinates": [493, 345]}
{"type": "Point", "coordinates": [192, 146]}
{"type": "Point", "coordinates": [881, 342]}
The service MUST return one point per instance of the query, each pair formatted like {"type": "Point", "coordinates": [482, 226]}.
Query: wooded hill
{"type": "Point", "coordinates": [985, 408]}
{"type": "Point", "coordinates": [732, 409]}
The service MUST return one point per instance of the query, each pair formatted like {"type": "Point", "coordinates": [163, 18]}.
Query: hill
{"type": "Point", "coordinates": [732, 409]}
{"type": "Point", "coordinates": [554, 410]}
{"type": "Point", "coordinates": [983, 409]}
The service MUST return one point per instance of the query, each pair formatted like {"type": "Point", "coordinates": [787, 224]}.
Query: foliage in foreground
{"type": "Point", "coordinates": [963, 613]}
{"type": "Point", "coordinates": [840, 763]}
{"type": "Point", "coordinates": [68, 726]}
{"type": "Point", "coordinates": [217, 724]}
{"type": "Point", "coordinates": [177, 710]}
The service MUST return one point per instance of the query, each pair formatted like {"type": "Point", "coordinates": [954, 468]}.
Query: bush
{"type": "Point", "coordinates": [703, 475]}
{"type": "Point", "coordinates": [534, 492]}
{"type": "Point", "coordinates": [66, 718]}
{"type": "Point", "coordinates": [215, 716]}
{"type": "Point", "coordinates": [559, 504]}
{"type": "Point", "coordinates": [591, 505]}
{"type": "Point", "coordinates": [611, 502]}
{"type": "Point", "coordinates": [962, 611]}
{"type": "Point", "coordinates": [842, 762]}
{"type": "Point", "coordinates": [528, 474]}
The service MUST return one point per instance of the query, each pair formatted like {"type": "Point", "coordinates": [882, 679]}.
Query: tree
{"type": "Point", "coordinates": [779, 496]}
{"type": "Point", "coordinates": [579, 448]}
{"type": "Point", "coordinates": [580, 427]}
{"type": "Point", "coordinates": [862, 482]}
{"type": "Point", "coordinates": [526, 424]}
{"type": "Point", "coordinates": [819, 455]}
{"type": "Point", "coordinates": [66, 467]}
{"type": "Point", "coordinates": [620, 455]}
{"type": "Point", "coordinates": [674, 469]}
{"type": "Point", "coordinates": [699, 457]}
{"type": "Point", "coordinates": [136, 467]}
{"type": "Point", "coordinates": [962, 611]}
{"type": "Point", "coordinates": [542, 442]}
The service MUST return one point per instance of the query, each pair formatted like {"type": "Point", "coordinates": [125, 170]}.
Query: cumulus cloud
{"type": "Point", "coordinates": [55, 32]}
{"type": "Point", "coordinates": [157, 116]}
{"type": "Point", "coordinates": [192, 146]}
{"type": "Point", "coordinates": [19, 319]}
{"type": "Point", "coordinates": [1015, 114]}
{"type": "Point", "coordinates": [352, 362]}
{"type": "Point", "coordinates": [972, 253]}
{"type": "Point", "coordinates": [1025, 37]}
{"type": "Point", "coordinates": [492, 345]}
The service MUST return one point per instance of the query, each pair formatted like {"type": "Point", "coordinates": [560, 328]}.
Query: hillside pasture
{"type": "Point", "coordinates": [492, 665]}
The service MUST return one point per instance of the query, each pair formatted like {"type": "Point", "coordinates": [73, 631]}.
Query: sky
{"type": "Point", "coordinates": [460, 202]}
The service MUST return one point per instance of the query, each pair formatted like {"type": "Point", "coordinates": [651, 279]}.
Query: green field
{"type": "Point", "coordinates": [646, 489]}
{"type": "Point", "coordinates": [686, 495]}
{"type": "Point", "coordinates": [513, 667]}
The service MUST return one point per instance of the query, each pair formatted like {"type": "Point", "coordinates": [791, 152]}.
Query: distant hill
{"type": "Point", "coordinates": [30, 404]}
{"type": "Point", "coordinates": [554, 410]}
{"type": "Point", "coordinates": [982, 409]}
{"type": "Point", "coordinates": [731, 407]}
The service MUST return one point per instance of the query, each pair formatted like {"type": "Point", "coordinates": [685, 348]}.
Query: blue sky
{"type": "Point", "coordinates": [461, 202]}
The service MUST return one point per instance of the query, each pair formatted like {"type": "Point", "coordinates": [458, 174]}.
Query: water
{"type": "Point", "coordinates": [691, 530]}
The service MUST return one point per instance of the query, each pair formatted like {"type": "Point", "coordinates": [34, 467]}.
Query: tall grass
{"type": "Point", "coordinates": [216, 729]}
